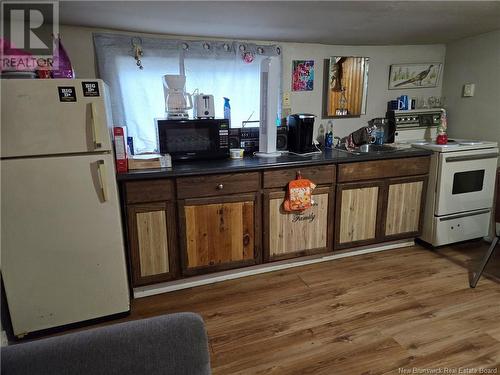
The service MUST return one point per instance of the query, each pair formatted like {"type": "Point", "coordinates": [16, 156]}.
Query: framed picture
{"type": "Point", "coordinates": [414, 76]}
{"type": "Point", "coordinates": [345, 86]}
{"type": "Point", "coordinates": [302, 75]}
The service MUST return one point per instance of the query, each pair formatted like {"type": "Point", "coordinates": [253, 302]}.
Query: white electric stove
{"type": "Point", "coordinates": [460, 191]}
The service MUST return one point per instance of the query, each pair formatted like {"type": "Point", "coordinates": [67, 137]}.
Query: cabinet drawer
{"type": "Point", "coordinates": [378, 169]}
{"type": "Point", "coordinates": [219, 184]}
{"type": "Point", "coordinates": [322, 174]}
{"type": "Point", "coordinates": [149, 191]}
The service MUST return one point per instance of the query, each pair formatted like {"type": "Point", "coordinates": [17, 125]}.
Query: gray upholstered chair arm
{"type": "Point", "coordinates": [173, 344]}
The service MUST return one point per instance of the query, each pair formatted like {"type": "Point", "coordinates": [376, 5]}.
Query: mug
{"type": "Point", "coordinates": [403, 103]}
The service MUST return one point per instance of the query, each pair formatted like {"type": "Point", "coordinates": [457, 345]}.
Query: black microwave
{"type": "Point", "coordinates": [193, 139]}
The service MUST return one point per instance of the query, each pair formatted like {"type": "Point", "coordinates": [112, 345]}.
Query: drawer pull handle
{"type": "Point", "coordinates": [220, 187]}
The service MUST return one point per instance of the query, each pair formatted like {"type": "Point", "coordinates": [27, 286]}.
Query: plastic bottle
{"type": "Point", "coordinates": [227, 110]}
{"type": "Point", "coordinates": [321, 134]}
{"type": "Point", "coordinates": [329, 136]}
{"type": "Point", "coordinates": [379, 135]}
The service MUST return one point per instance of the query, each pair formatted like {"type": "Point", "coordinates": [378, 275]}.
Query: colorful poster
{"type": "Point", "coordinates": [302, 75]}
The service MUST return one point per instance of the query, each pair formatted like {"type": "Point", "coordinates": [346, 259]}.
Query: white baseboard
{"type": "Point", "coordinates": [194, 281]}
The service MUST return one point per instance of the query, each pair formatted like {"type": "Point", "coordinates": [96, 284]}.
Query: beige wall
{"type": "Point", "coordinates": [474, 60]}
{"type": "Point", "coordinates": [78, 42]}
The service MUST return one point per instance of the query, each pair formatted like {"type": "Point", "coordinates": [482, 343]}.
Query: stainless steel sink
{"type": "Point", "coordinates": [370, 148]}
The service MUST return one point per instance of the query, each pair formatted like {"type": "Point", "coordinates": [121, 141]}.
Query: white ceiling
{"type": "Point", "coordinates": [330, 22]}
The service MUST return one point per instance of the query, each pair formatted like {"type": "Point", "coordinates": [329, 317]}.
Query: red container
{"type": "Point", "coordinates": [442, 139]}
{"type": "Point", "coordinates": [120, 149]}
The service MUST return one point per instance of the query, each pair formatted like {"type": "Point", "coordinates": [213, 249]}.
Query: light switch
{"type": "Point", "coordinates": [469, 89]}
{"type": "Point", "coordinates": [286, 99]}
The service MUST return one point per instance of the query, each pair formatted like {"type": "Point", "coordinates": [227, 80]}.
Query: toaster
{"type": "Point", "coordinates": [203, 106]}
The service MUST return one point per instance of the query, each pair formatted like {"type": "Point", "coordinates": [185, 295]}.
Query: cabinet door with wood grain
{"type": "Point", "coordinates": [403, 215]}
{"type": "Point", "coordinates": [293, 234]}
{"type": "Point", "coordinates": [219, 233]}
{"type": "Point", "coordinates": [358, 213]}
{"type": "Point", "coordinates": [152, 242]}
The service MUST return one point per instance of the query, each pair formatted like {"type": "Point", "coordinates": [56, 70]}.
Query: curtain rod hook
{"type": "Point", "coordinates": [138, 50]}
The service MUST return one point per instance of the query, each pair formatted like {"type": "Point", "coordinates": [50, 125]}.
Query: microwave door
{"type": "Point", "coordinates": [194, 139]}
{"type": "Point", "coordinates": [187, 141]}
{"type": "Point", "coordinates": [465, 181]}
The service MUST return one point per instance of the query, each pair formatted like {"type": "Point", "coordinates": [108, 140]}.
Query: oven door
{"type": "Point", "coordinates": [466, 180]}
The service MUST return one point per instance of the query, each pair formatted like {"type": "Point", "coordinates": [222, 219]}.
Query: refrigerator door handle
{"type": "Point", "coordinates": [101, 175]}
{"type": "Point", "coordinates": [95, 126]}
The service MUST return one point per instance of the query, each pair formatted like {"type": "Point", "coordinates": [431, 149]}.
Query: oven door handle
{"type": "Point", "coordinates": [452, 159]}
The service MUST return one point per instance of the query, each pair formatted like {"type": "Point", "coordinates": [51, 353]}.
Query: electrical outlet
{"type": "Point", "coordinates": [286, 99]}
{"type": "Point", "coordinates": [469, 89]}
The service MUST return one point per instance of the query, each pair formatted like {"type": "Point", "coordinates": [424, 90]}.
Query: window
{"type": "Point", "coordinates": [223, 69]}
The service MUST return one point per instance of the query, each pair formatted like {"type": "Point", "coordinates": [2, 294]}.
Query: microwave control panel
{"type": "Point", "coordinates": [223, 138]}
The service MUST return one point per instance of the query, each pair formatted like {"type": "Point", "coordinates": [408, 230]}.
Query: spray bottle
{"type": "Point", "coordinates": [227, 110]}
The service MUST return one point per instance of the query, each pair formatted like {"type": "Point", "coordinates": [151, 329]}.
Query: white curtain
{"type": "Point", "coordinates": [223, 69]}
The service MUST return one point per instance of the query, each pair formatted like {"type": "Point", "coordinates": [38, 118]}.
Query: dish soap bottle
{"type": "Point", "coordinates": [227, 110]}
{"type": "Point", "coordinates": [329, 136]}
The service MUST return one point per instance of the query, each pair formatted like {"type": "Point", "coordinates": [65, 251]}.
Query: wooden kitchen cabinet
{"type": "Point", "coordinates": [404, 213]}
{"type": "Point", "coordinates": [358, 211]}
{"type": "Point", "coordinates": [294, 234]}
{"type": "Point", "coordinates": [190, 225]}
{"type": "Point", "coordinates": [151, 230]}
{"type": "Point", "coordinates": [288, 235]}
{"type": "Point", "coordinates": [219, 233]}
{"type": "Point", "coordinates": [379, 201]}
{"type": "Point", "coordinates": [152, 242]}
{"type": "Point", "coordinates": [219, 222]}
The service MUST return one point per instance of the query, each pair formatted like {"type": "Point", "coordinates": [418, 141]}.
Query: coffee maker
{"type": "Point", "coordinates": [176, 97]}
{"type": "Point", "coordinates": [300, 132]}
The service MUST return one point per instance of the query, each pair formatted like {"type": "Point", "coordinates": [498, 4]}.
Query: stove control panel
{"type": "Point", "coordinates": [414, 118]}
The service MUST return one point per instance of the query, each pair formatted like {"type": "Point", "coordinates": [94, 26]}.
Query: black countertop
{"type": "Point", "coordinates": [252, 163]}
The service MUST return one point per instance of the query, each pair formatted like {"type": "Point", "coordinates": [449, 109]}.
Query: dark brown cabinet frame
{"type": "Point", "coordinates": [280, 193]}
{"type": "Point", "coordinates": [255, 197]}
{"type": "Point", "coordinates": [382, 201]}
{"type": "Point", "coordinates": [133, 242]}
{"type": "Point", "coordinates": [338, 210]}
{"type": "Point", "coordinates": [160, 194]}
{"type": "Point", "coordinates": [402, 180]}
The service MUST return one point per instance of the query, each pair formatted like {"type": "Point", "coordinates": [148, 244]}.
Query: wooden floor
{"type": "Point", "coordinates": [371, 314]}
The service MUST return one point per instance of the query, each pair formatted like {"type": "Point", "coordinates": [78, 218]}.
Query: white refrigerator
{"type": "Point", "coordinates": [62, 251]}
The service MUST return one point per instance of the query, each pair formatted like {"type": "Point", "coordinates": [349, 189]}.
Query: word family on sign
{"type": "Point", "coordinates": [301, 217]}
